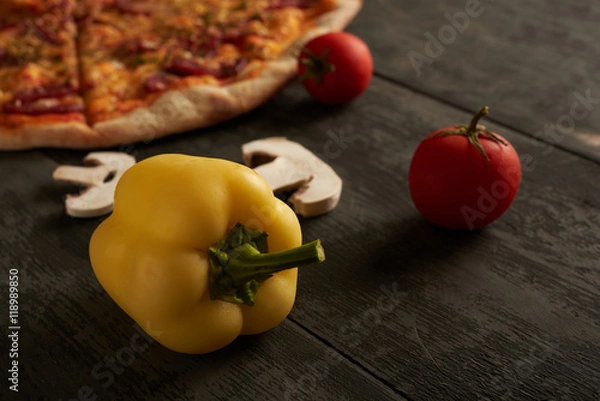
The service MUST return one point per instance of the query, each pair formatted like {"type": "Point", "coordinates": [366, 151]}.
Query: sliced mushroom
{"type": "Point", "coordinates": [103, 171]}
{"type": "Point", "coordinates": [283, 175]}
{"type": "Point", "coordinates": [287, 165]}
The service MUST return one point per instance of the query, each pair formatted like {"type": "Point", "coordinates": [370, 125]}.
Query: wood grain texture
{"type": "Point", "coordinates": [508, 312]}
{"type": "Point", "coordinates": [74, 340]}
{"type": "Point", "coordinates": [530, 62]}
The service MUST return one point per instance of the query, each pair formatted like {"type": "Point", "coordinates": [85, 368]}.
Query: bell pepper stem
{"type": "Point", "coordinates": [240, 263]}
{"type": "Point", "coordinates": [247, 265]}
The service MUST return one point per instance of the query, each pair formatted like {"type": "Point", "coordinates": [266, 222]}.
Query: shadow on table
{"type": "Point", "coordinates": [415, 245]}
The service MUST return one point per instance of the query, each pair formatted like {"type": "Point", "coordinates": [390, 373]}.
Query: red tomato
{"type": "Point", "coordinates": [464, 177]}
{"type": "Point", "coordinates": [336, 67]}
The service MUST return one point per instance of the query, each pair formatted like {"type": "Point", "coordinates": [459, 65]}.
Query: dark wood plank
{"type": "Point", "coordinates": [75, 343]}
{"type": "Point", "coordinates": [531, 63]}
{"type": "Point", "coordinates": [508, 312]}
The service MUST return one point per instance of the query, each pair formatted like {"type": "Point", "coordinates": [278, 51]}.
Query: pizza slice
{"type": "Point", "coordinates": [153, 68]}
{"type": "Point", "coordinates": [98, 73]}
{"type": "Point", "coordinates": [39, 79]}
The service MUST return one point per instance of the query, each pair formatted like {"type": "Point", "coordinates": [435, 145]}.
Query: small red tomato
{"type": "Point", "coordinates": [464, 177]}
{"type": "Point", "coordinates": [335, 68]}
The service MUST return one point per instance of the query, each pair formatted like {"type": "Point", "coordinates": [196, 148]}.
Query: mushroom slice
{"type": "Point", "coordinates": [103, 171]}
{"type": "Point", "coordinates": [287, 165]}
{"type": "Point", "coordinates": [283, 175]}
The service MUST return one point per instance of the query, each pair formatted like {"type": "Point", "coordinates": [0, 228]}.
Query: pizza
{"type": "Point", "coordinates": [99, 73]}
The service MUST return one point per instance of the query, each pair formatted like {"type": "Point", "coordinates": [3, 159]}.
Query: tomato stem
{"type": "Point", "coordinates": [473, 125]}
{"type": "Point", "coordinates": [473, 131]}
{"type": "Point", "coordinates": [316, 66]}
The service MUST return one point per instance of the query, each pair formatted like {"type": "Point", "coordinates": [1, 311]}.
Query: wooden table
{"type": "Point", "coordinates": [402, 309]}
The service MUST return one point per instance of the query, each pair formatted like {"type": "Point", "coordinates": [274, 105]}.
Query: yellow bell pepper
{"type": "Point", "coordinates": [185, 252]}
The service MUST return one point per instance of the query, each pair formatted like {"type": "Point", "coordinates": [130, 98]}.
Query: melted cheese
{"type": "Point", "coordinates": [38, 49]}
{"type": "Point", "coordinates": [211, 34]}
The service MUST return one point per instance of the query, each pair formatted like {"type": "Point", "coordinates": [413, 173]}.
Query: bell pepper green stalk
{"type": "Point", "coordinates": [239, 263]}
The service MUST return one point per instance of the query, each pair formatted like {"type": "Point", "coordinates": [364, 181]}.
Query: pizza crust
{"type": "Point", "coordinates": [195, 107]}
{"type": "Point", "coordinates": [182, 110]}
{"type": "Point", "coordinates": [57, 135]}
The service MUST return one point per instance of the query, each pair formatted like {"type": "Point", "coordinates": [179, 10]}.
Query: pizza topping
{"type": "Point", "coordinates": [137, 51]}
{"type": "Point", "coordinates": [44, 99]}
{"type": "Point", "coordinates": [21, 51]}
{"type": "Point", "coordinates": [233, 68]}
{"type": "Point", "coordinates": [7, 58]}
{"type": "Point", "coordinates": [157, 82]}
{"type": "Point", "coordinates": [137, 45]}
{"type": "Point", "coordinates": [302, 4]}
{"type": "Point", "coordinates": [135, 7]}
{"type": "Point", "coordinates": [7, 24]}
{"type": "Point", "coordinates": [44, 92]}
{"type": "Point", "coordinates": [206, 48]}
{"type": "Point", "coordinates": [46, 28]}
{"type": "Point", "coordinates": [30, 76]}
{"type": "Point", "coordinates": [209, 45]}
{"type": "Point", "coordinates": [129, 49]}
{"type": "Point", "coordinates": [86, 10]}
{"type": "Point", "coordinates": [235, 37]}
{"type": "Point", "coordinates": [42, 106]}
{"type": "Point", "coordinates": [186, 66]}
{"type": "Point", "coordinates": [60, 6]}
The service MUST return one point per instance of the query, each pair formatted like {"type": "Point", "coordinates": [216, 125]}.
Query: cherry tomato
{"type": "Point", "coordinates": [335, 68]}
{"type": "Point", "coordinates": [464, 177]}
